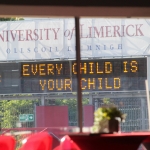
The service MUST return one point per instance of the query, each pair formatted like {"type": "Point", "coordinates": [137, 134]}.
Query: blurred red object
{"type": "Point", "coordinates": [56, 140]}
{"type": "Point", "coordinates": [67, 144]}
{"type": "Point", "coordinates": [7, 142]}
{"type": "Point", "coordinates": [38, 141]}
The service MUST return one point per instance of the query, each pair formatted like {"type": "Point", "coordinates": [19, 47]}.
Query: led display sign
{"type": "Point", "coordinates": [61, 76]}
{"type": "Point", "coordinates": [96, 75]}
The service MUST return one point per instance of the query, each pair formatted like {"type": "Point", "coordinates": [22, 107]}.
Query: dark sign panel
{"type": "Point", "coordinates": [10, 77]}
{"type": "Point", "coordinates": [60, 76]}
{"type": "Point", "coordinates": [97, 75]}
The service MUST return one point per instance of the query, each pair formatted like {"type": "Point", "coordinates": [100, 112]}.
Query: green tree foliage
{"type": "Point", "coordinates": [71, 103]}
{"type": "Point", "coordinates": [107, 102]}
{"type": "Point", "coordinates": [11, 109]}
{"type": "Point", "coordinates": [11, 19]}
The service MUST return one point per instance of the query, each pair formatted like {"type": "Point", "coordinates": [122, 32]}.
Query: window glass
{"type": "Point", "coordinates": [38, 73]}
{"type": "Point", "coordinates": [114, 67]}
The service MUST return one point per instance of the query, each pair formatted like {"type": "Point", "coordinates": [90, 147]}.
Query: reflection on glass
{"type": "Point", "coordinates": [38, 73]}
{"type": "Point", "coordinates": [114, 66]}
